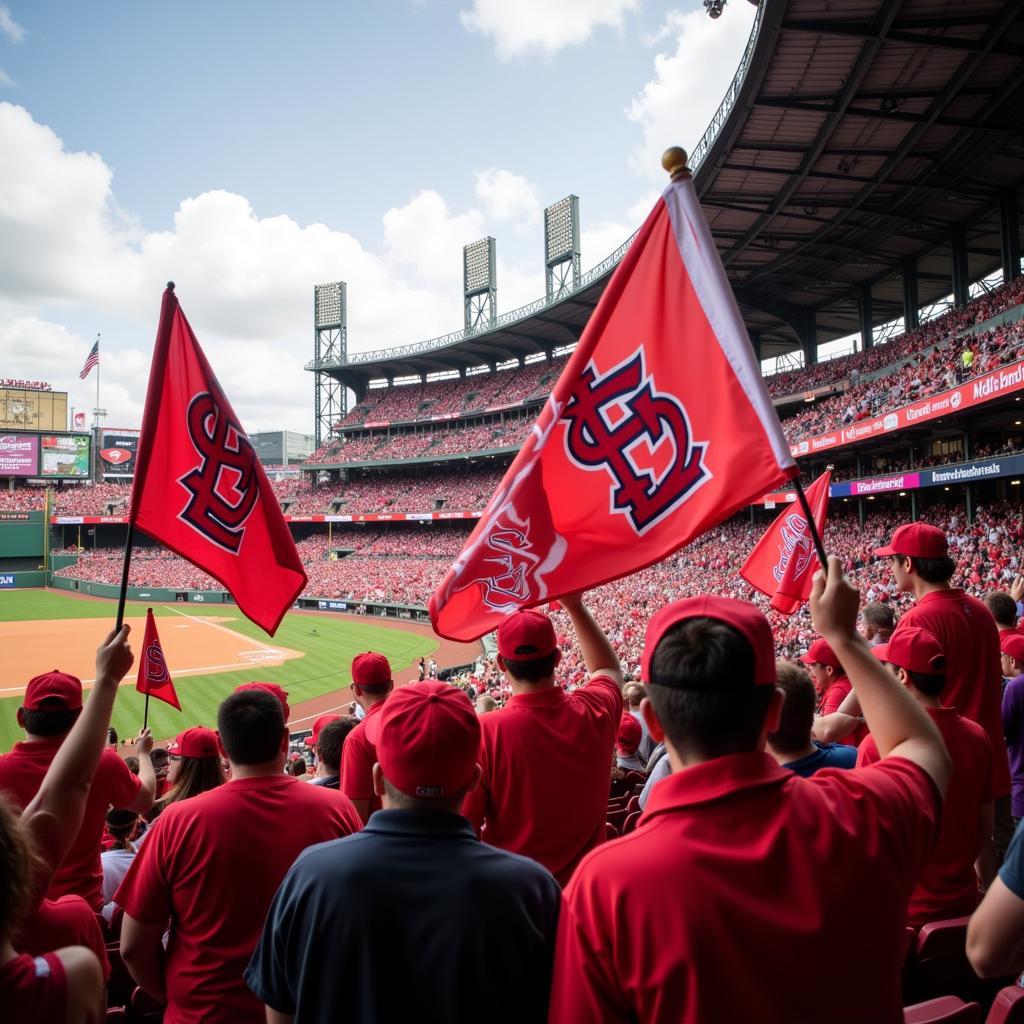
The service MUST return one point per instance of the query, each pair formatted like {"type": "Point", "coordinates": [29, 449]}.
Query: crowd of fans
{"type": "Point", "coordinates": [68, 499]}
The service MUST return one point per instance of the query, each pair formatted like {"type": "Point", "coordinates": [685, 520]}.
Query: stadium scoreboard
{"type": "Point", "coordinates": [31, 405]}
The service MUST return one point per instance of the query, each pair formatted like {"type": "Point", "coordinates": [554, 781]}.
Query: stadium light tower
{"type": "Point", "coordinates": [562, 246]}
{"type": "Point", "coordinates": [330, 345]}
{"type": "Point", "coordinates": [479, 284]}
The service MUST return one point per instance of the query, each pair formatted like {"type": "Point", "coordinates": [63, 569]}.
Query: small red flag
{"type": "Point", "coordinates": [154, 677]}
{"type": "Point", "coordinates": [659, 427]}
{"type": "Point", "coordinates": [199, 488]}
{"type": "Point", "coordinates": [783, 562]}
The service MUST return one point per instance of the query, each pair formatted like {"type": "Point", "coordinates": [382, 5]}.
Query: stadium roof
{"type": "Point", "coordinates": [855, 136]}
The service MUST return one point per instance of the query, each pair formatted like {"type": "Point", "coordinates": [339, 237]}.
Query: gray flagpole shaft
{"type": "Point", "coordinates": [811, 525]}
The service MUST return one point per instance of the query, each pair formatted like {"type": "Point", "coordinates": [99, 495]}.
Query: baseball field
{"type": "Point", "coordinates": [209, 651]}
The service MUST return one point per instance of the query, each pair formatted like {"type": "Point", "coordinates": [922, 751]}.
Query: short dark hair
{"type": "Point", "coordinates": [251, 723]}
{"type": "Point", "coordinates": [880, 615]}
{"type": "Point", "coordinates": [375, 689]}
{"type": "Point", "coordinates": [532, 671]}
{"type": "Point", "coordinates": [297, 767]}
{"type": "Point", "coordinates": [331, 740]}
{"type": "Point", "coordinates": [132, 764]}
{"type": "Point", "coordinates": [797, 717]}
{"type": "Point", "coordinates": [703, 691]}
{"type": "Point", "coordinates": [935, 570]}
{"type": "Point", "coordinates": [1002, 606]}
{"type": "Point", "coordinates": [52, 722]}
{"type": "Point", "coordinates": [930, 684]}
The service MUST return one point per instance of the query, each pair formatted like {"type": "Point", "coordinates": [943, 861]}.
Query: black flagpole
{"type": "Point", "coordinates": [811, 525]}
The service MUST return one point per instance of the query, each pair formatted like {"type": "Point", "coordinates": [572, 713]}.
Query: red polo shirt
{"type": "Point", "coordinates": [210, 867]}
{"type": "Point", "coordinates": [546, 760]}
{"type": "Point", "coordinates": [970, 641]}
{"type": "Point", "coordinates": [948, 886]}
{"type": "Point", "coordinates": [834, 695]}
{"type": "Point", "coordinates": [358, 756]}
{"type": "Point", "coordinates": [745, 894]}
{"type": "Point", "coordinates": [80, 873]}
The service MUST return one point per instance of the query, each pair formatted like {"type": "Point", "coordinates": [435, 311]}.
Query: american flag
{"type": "Point", "coordinates": [93, 359]}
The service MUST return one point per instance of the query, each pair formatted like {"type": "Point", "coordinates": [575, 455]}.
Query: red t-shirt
{"type": "Point", "coordinates": [713, 910]}
{"type": "Point", "coordinates": [34, 988]}
{"type": "Point", "coordinates": [80, 873]}
{"type": "Point", "coordinates": [970, 641]}
{"type": "Point", "coordinates": [948, 886]}
{"type": "Point", "coordinates": [834, 696]}
{"type": "Point", "coordinates": [358, 756]}
{"type": "Point", "coordinates": [210, 866]}
{"type": "Point", "coordinates": [546, 760]}
{"type": "Point", "coordinates": [69, 921]}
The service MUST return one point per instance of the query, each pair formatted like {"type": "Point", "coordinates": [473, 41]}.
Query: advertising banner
{"type": "Point", "coordinates": [65, 455]}
{"type": "Point", "coordinates": [19, 455]}
{"type": "Point", "coordinates": [118, 453]}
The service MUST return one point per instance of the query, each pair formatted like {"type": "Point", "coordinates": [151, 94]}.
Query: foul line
{"type": "Point", "coordinates": [223, 629]}
{"type": "Point", "coordinates": [326, 711]}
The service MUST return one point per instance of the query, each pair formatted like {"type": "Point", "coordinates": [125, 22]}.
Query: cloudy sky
{"type": "Point", "coordinates": [249, 150]}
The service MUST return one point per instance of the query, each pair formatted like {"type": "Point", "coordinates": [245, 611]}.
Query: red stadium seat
{"type": "Point", "coordinates": [630, 823]}
{"type": "Point", "coordinates": [116, 1015]}
{"type": "Point", "coordinates": [633, 805]}
{"type": "Point", "coordinates": [610, 831]}
{"type": "Point", "coordinates": [617, 818]}
{"type": "Point", "coordinates": [1008, 1006]}
{"type": "Point", "coordinates": [144, 1009]}
{"type": "Point", "coordinates": [944, 1010]}
{"type": "Point", "coordinates": [940, 965]}
{"type": "Point", "coordinates": [634, 778]}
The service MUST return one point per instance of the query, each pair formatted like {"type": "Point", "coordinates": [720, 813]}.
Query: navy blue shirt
{"type": "Point", "coordinates": [828, 755]}
{"type": "Point", "coordinates": [411, 919]}
{"type": "Point", "coordinates": [1012, 871]}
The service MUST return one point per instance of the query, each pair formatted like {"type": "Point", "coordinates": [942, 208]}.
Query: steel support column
{"type": "Point", "coordinates": [809, 337]}
{"type": "Point", "coordinates": [958, 254]}
{"type": "Point", "coordinates": [1009, 234]}
{"type": "Point", "coordinates": [867, 330]}
{"type": "Point", "coordinates": [910, 302]}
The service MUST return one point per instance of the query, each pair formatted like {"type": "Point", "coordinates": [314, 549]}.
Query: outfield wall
{"type": "Point", "coordinates": [158, 595]}
{"type": "Point", "coordinates": [21, 580]}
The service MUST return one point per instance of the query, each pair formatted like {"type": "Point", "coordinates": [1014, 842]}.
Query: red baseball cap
{"type": "Point", "coordinates": [744, 617]}
{"type": "Point", "coordinates": [427, 739]}
{"type": "Point", "coordinates": [918, 540]}
{"type": "Point", "coordinates": [914, 649]}
{"type": "Point", "coordinates": [274, 690]}
{"type": "Point", "coordinates": [821, 653]}
{"type": "Point", "coordinates": [371, 669]}
{"type": "Point", "coordinates": [526, 636]}
{"type": "Point", "coordinates": [1012, 644]}
{"type": "Point", "coordinates": [196, 742]}
{"type": "Point", "coordinates": [53, 691]}
{"type": "Point", "coordinates": [318, 726]}
{"type": "Point", "coordinates": [630, 735]}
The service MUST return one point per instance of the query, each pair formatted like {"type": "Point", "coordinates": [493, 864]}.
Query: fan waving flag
{"type": "Point", "coordinates": [783, 562]}
{"type": "Point", "coordinates": [199, 488]}
{"type": "Point", "coordinates": [154, 678]}
{"type": "Point", "coordinates": [659, 427]}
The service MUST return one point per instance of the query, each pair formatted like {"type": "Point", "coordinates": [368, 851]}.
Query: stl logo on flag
{"type": "Point", "coordinates": [223, 488]}
{"type": "Point", "coordinates": [155, 666]}
{"type": "Point", "coordinates": [796, 543]}
{"type": "Point", "coordinates": [620, 423]}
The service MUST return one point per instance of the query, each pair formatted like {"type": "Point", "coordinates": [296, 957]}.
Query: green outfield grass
{"type": "Point", "coordinates": [324, 668]}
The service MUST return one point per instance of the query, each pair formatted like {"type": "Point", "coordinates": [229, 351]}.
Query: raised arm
{"type": "Point", "coordinates": [598, 655]}
{"type": "Point", "coordinates": [900, 726]}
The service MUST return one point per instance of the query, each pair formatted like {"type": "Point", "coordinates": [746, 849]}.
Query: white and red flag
{"type": "Point", "coordinates": [199, 488]}
{"type": "Point", "coordinates": [659, 427]}
{"type": "Point", "coordinates": [783, 562]}
{"type": "Point", "coordinates": [154, 677]}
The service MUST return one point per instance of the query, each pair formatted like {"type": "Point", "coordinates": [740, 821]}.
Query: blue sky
{"type": "Point", "coordinates": [253, 149]}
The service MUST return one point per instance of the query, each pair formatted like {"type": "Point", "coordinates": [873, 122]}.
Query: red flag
{"type": "Point", "coordinates": [199, 488]}
{"type": "Point", "coordinates": [659, 427]}
{"type": "Point", "coordinates": [154, 677]}
{"type": "Point", "coordinates": [784, 561]}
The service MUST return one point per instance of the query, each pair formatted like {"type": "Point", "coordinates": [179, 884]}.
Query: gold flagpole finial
{"type": "Point", "coordinates": [674, 161]}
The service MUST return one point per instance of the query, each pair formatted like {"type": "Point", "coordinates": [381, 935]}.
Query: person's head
{"type": "Point", "coordinates": [627, 741]}
{"type": "Point", "coordinates": [195, 764]}
{"type": "Point", "coordinates": [330, 742]}
{"type": "Point", "coordinates": [485, 704]}
{"type": "Point", "coordinates": [879, 621]}
{"type": "Point", "coordinates": [823, 665]}
{"type": "Point", "coordinates": [427, 740]}
{"type": "Point", "coordinates": [161, 762]}
{"type": "Point", "coordinates": [251, 725]}
{"type": "Point", "coordinates": [633, 694]}
{"type": "Point", "coordinates": [709, 667]}
{"type": "Point", "coordinates": [918, 557]}
{"type": "Point", "coordinates": [792, 734]}
{"type": "Point", "coordinates": [371, 678]}
{"type": "Point", "coordinates": [53, 701]}
{"type": "Point", "coordinates": [18, 866]}
{"type": "Point", "coordinates": [318, 727]}
{"type": "Point", "coordinates": [527, 650]}
{"type": "Point", "coordinates": [297, 767]}
{"type": "Point", "coordinates": [918, 661]}
{"type": "Point", "coordinates": [1003, 609]}
{"type": "Point", "coordinates": [131, 762]}
{"type": "Point", "coordinates": [123, 826]}
{"type": "Point", "coordinates": [274, 690]}
{"type": "Point", "coordinates": [1011, 648]}
{"type": "Point", "coordinates": [112, 737]}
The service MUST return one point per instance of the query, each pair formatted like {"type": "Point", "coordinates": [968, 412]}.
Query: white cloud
{"type": "Point", "coordinates": [676, 106]}
{"type": "Point", "coordinates": [5, 79]}
{"type": "Point", "coordinates": [542, 26]}
{"type": "Point", "coordinates": [9, 27]}
{"type": "Point", "coordinates": [507, 196]}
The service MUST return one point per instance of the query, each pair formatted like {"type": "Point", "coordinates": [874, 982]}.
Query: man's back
{"type": "Point", "coordinates": [968, 635]}
{"type": "Point", "coordinates": [211, 866]}
{"type": "Point", "coordinates": [411, 919]}
{"type": "Point", "coordinates": [732, 899]}
{"type": "Point", "coordinates": [546, 760]}
{"type": "Point", "coordinates": [21, 774]}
